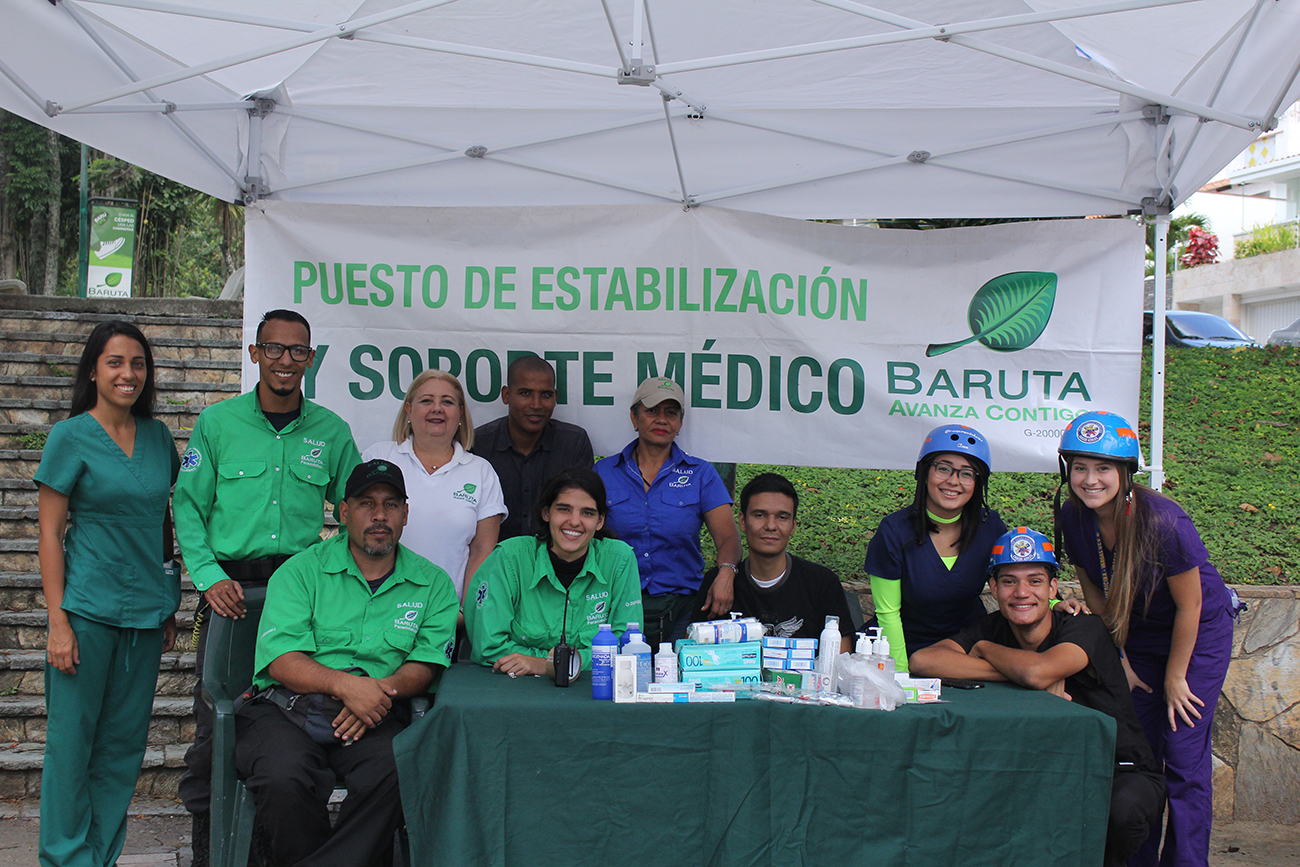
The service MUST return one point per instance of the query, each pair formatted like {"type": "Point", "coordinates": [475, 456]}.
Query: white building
{"type": "Point", "coordinates": [1260, 188]}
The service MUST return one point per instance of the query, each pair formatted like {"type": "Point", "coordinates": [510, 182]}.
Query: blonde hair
{"type": "Point", "coordinates": [464, 430]}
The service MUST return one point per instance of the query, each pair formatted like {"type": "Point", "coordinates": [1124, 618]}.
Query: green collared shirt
{"type": "Point", "coordinates": [248, 491]}
{"type": "Point", "coordinates": [318, 604]}
{"type": "Point", "coordinates": [517, 605]}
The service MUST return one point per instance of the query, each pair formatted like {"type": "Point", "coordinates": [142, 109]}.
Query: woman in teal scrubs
{"type": "Point", "coordinates": [105, 478]}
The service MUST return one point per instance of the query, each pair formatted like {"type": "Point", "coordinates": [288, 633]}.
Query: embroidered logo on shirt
{"type": "Point", "coordinates": [312, 458]}
{"type": "Point", "coordinates": [446, 648]}
{"type": "Point", "coordinates": [683, 479]}
{"type": "Point", "coordinates": [787, 628]}
{"type": "Point", "coordinates": [190, 460]}
{"type": "Point", "coordinates": [467, 494]}
{"type": "Point", "coordinates": [481, 596]}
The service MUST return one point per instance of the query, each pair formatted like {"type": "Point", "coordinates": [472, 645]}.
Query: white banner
{"type": "Point", "coordinates": [796, 342]}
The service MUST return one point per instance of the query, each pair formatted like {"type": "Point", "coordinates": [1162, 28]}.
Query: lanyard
{"type": "Point", "coordinates": [1101, 559]}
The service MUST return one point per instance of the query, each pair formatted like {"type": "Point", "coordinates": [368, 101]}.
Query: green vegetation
{"type": "Point", "coordinates": [1273, 238]}
{"type": "Point", "coordinates": [35, 441]}
{"type": "Point", "coordinates": [1232, 443]}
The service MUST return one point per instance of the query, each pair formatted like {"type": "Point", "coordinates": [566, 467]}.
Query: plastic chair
{"type": "Point", "coordinates": [855, 609]}
{"type": "Point", "coordinates": [227, 673]}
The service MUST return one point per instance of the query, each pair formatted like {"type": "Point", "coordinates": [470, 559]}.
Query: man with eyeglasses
{"type": "Point", "coordinates": [252, 491]}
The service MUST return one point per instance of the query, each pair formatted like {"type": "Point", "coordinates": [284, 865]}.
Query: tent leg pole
{"type": "Point", "coordinates": [1157, 466]}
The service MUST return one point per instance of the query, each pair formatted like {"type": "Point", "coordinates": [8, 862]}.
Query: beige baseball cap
{"type": "Point", "coordinates": [656, 390]}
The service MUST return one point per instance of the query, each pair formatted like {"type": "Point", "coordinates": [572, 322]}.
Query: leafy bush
{"type": "Point", "coordinates": [35, 441]}
{"type": "Point", "coordinates": [1202, 248]}
{"type": "Point", "coordinates": [1232, 442]}
{"type": "Point", "coordinates": [1272, 238]}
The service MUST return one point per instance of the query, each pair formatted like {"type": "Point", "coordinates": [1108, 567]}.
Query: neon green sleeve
{"type": "Point", "coordinates": [888, 597]}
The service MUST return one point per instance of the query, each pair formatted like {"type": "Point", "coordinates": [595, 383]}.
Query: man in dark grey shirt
{"type": "Point", "coordinates": [527, 447]}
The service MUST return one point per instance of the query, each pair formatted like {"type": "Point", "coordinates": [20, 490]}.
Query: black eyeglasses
{"type": "Point", "coordinates": [297, 352]}
{"type": "Point", "coordinates": [944, 471]}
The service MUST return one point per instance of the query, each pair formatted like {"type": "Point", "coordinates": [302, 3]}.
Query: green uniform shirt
{"type": "Point", "coordinates": [518, 606]}
{"type": "Point", "coordinates": [318, 604]}
{"type": "Point", "coordinates": [113, 549]}
{"type": "Point", "coordinates": [248, 491]}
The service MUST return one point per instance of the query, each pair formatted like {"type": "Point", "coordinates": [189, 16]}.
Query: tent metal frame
{"type": "Point", "coordinates": [634, 70]}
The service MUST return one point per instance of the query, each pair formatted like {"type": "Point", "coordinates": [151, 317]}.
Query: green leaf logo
{"type": "Point", "coordinates": [470, 488]}
{"type": "Point", "coordinates": [1007, 313]}
{"type": "Point", "coordinates": [113, 278]}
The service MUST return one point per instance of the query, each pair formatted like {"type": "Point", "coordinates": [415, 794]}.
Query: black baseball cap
{"type": "Point", "coordinates": [376, 472]}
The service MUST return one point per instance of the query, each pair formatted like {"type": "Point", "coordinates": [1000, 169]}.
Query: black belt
{"type": "Point", "coordinates": [259, 570]}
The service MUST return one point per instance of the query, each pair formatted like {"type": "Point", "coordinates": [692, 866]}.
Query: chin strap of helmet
{"type": "Point", "coordinates": [1056, 501]}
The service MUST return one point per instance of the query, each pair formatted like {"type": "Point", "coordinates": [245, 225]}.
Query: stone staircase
{"type": "Point", "coordinates": [197, 347]}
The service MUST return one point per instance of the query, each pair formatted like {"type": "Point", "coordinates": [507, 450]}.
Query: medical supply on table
{"type": "Point", "coordinates": [726, 631]}
{"type": "Point", "coordinates": [666, 664]}
{"type": "Point", "coordinates": [884, 661]}
{"type": "Point", "coordinates": [710, 678]}
{"type": "Point", "coordinates": [919, 690]}
{"type": "Point", "coordinates": [711, 657]}
{"type": "Point", "coordinates": [624, 678]}
{"type": "Point", "coordinates": [828, 647]}
{"type": "Point", "coordinates": [633, 628]}
{"type": "Point", "coordinates": [604, 647]}
{"type": "Point", "coordinates": [684, 697]}
{"type": "Point", "coordinates": [865, 682]}
{"type": "Point", "coordinates": [637, 647]}
{"type": "Point", "coordinates": [779, 664]}
{"type": "Point", "coordinates": [672, 687]}
{"type": "Point", "coordinates": [863, 646]}
{"type": "Point", "coordinates": [771, 641]}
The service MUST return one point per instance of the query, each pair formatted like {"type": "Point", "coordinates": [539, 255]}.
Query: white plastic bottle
{"type": "Point", "coordinates": [863, 647]}
{"type": "Point", "coordinates": [637, 647]}
{"type": "Point", "coordinates": [828, 647]}
{"type": "Point", "coordinates": [666, 664]}
{"type": "Point", "coordinates": [884, 661]}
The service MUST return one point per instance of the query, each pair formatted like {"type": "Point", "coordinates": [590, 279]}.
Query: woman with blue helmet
{"type": "Point", "coordinates": [928, 562]}
{"type": "Point", "coordinates": [1143, 567]}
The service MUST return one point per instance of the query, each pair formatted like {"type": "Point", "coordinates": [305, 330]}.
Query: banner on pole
{"type": "Point", "coordinates": [795, 342]}
{"type": "Point", "coordinates": [112, 251]}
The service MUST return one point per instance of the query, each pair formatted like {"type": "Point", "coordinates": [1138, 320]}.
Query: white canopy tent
{"type": "Point", "coordinates": [814, 109]}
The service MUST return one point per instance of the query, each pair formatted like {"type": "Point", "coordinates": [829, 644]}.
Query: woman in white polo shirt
{"type": "Point", "coordinates": [454, 496]}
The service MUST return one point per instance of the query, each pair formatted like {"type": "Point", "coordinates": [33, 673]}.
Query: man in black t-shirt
{"type": "Point", "coordinates": [791, 596]}
{"type": "Point", "coordinates": [1071, 656]}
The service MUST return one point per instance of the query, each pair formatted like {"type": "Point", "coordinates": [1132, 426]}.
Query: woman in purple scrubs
{"type": "Point", "coordinates": [1143, 567]}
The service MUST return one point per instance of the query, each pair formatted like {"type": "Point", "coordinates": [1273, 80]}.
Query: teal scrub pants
{"type": "Point", "coordinates": [98, 725]}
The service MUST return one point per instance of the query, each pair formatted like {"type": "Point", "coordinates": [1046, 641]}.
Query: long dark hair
{"type": "Point", "coordinates": [84, 395]}
{"type": "Point", "coordinates": [973, 513]}
{"type": "Point", "coordinates": [580, 478]}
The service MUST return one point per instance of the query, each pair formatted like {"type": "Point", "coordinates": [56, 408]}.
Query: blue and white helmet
{"type": "Point", "coordinates": [958, 439]}
{"type": "Point", "coordinates": [1023, 545]}
{"type": "Point", "coordinates": [1102, 435]}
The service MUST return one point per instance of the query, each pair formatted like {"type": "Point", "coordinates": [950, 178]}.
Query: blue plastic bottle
{"type": "Point", "coordinates": [632, 628]}
{"type": "Point", "coordinates": [604, 645]}
{"type": "Point", "coordinates": [636, 646]}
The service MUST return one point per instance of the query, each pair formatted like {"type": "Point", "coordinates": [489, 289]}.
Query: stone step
{"type": "Point", "coordinates": [20, 770]}
{"type": "Point", "coordinates": [163, 344]}
{"type": "Point", "coordinates": [21, 591]}
{"type": "Point", "coordinates": [142, 806]}
{"type": "Point", "coordinates": [18, 315]}
{"type": "Point", "coordinates": [17, 492]}
{"type": "Point", "coordinates": [46, 411]}
{"type": "Point", "coordinates": [22, 673]}
{"type": "Point", "coordinates": [26, 630]}
{"type": "Point", "coordinates": [60, 388]}
{"type": "Point", "coordinates": [29, 364]}
{"type": "Point", "coordinates": [24, 436]}
{"type": "Point", "coordinates": [19, 555]}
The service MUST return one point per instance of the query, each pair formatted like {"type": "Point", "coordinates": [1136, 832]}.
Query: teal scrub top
{"type": "Point", "coordinates": [113, 549]}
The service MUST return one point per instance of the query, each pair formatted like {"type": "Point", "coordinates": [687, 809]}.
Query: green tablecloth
{"type": "Point", "coordinates": [518, 772]}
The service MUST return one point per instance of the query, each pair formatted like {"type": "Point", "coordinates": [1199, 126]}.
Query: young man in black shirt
{"type": "Point", "coordinates": [1071, 656]}
{"type": "Point", "coordinates": [791, 596]}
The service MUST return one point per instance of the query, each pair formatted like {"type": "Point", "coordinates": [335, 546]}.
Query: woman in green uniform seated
{"type": "Point", "coordinates": [532, 592]}
{"type": "Point", "coordinates": [105, 478]}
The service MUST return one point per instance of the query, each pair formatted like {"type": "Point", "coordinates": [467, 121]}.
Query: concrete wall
{"type": "Point", "coordinates": [1225, 287]}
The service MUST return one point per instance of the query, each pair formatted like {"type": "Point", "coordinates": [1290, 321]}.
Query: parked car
{"type": "Point", "coordinates": [1193, 328]}
{"type": "Point", "coordinates": [1289, 336]}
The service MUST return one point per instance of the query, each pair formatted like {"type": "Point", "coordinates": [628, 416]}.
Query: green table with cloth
{"type": "Point", "coordinates": [517, 772]}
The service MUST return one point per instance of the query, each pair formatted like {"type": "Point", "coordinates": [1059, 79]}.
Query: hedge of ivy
{"type": "Point", "coordinates": [1232, 456]}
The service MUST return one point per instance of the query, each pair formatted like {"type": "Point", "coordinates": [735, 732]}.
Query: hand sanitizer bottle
{"type": "Point", "coordinates": [604, 645]}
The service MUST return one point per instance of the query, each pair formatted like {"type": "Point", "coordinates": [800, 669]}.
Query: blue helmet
{"type": "Point", "coordinates": [1022, 545]}
{"type": "Point", "coordinates": [958, 439]}
{"type": "Point", "coordinates": [1102, 435]}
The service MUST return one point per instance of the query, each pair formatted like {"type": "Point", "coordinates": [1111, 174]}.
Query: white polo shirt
{"type": "Point", "coordinates": [446, 505]}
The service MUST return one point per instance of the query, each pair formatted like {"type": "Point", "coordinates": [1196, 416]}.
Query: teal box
{"type": "Point", "coordinates": [715, 657]}
{"type": "Point", "coordinates": [733, 677]}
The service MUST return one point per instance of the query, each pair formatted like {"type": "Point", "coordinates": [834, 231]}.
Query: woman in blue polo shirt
{"type": "Point", "coordinates": [659, 497]}
{"type": "Point", "coordinates": [928, 563]}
